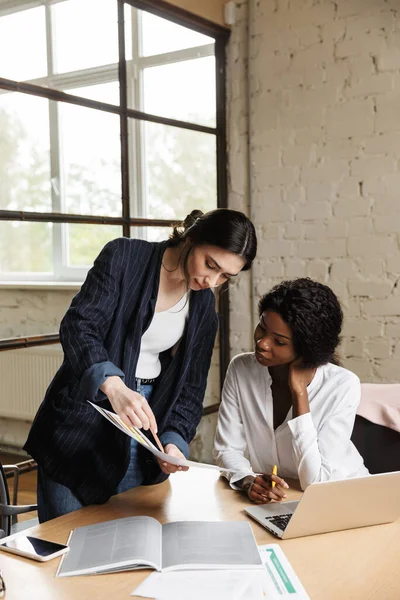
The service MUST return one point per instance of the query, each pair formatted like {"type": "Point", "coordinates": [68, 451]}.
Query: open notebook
{"type": "Point", "coordinates": [143, 543]}
{"type": "Point", "coordinates": [137, 435]}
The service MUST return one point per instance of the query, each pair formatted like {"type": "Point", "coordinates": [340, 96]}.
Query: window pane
{"type": "Point", "coordinates": [91, 161]}
{"type": "Point", "coordinates": [103, 92]}
{"type": "Point", "coordinates": [183, 90]}
{"type": "Point", "coordinates": [84, 242]}
{"type": "Point", "coordinates": [160, 35]}
{"type": "Point", "coordinates": [179, 171]}
{"type": "Point", "coordinates": [151, 234]}
{"type": "Point", "coordinates": [25, 247]}
{"type": "Point", "coordinates": [24, 153]}
{"type": "Point", "coordinates": [85, 34]}
{"type": "Point", "coordinates": [23, 45]}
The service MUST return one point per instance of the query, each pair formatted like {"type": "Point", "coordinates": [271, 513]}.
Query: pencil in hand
{"type": "Point", "coordinates": [274, 472]}
{"type": "Point", "coordinates": [155, 436]}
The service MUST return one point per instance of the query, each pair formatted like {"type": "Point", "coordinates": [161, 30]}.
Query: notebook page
{"type": "Point", "coordinates": [211, 545]}
{"type": "Point", "coordinates": [105, 546]}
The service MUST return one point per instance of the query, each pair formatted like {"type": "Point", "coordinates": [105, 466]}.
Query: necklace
{"type": "Point", "coordinates": [183, 283]}
{"type": "Point", "coordinates": [175, 268]}
{"type": "Point", "coordinates": [169, 270]}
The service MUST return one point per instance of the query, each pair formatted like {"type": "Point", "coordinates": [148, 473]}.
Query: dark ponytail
{"type": "Point", "coordinates": [228, 229]}
{"type": "Point", "coordinates": [180, 229]}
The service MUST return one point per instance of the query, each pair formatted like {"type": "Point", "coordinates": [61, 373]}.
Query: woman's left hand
{"type": "Point", "coordinates": [299, 377]}
{"type": "Point", "coordinates": [167, 467]}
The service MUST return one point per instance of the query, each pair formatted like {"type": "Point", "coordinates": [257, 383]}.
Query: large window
{"type": "Point", "coordinates": [111, 123]}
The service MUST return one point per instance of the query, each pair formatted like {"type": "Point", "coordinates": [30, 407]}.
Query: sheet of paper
{"type": "Point", "coordinates": [278, 580]}
{"type": "Point", "coordinates": [137, 435]}
{"type": "Point", "coordinates": [194, 545]}
{"type": "Point", "coordinates": [198, 585]}
{"type": "Point", "coordinates": [112, 545]}
{"type": "Point", "coordinates": [282, 581]}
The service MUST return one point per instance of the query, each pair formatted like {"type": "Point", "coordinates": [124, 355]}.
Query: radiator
{"type": "Point", "coordinates": [25, 375]}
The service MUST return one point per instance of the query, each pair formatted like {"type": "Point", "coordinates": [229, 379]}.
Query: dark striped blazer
{"type": "Point", "coordinates": [101, 334]}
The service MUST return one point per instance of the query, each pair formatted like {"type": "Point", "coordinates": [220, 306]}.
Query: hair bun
{"type": "Point", "coordinates": [192, 218]}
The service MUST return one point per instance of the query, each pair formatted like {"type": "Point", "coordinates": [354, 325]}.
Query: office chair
{"type": "Point", "coordinates": [378, 445]}
{"type": "Point", "coordinates": [376, 434]}
{"type": "Point", "coordinates": [9, 512]}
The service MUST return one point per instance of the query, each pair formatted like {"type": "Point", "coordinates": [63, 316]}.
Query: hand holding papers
{"type": "Point", "coordinates": [137, 435]}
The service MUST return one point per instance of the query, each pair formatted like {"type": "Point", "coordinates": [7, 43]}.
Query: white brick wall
{"type": "Point", "coordinates": [240, 293]}
{"type": "Point", "coordinates": [25, 312]}
{"type": "Point", "coordinates": [324, 144]}
{"type": "Point", "coordinates": [29, 311]}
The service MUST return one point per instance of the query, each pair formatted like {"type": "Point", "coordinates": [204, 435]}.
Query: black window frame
{"type": "Point", "coordinates": [184, 18]}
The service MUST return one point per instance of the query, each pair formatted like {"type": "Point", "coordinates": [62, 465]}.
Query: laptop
{"type": "Point", "coordinates": [332, 506]}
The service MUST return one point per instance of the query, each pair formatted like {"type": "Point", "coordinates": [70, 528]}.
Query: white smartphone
{"type": "Point", "coordinates": [32, 547]}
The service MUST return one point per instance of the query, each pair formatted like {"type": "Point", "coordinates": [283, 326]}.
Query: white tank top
{"type": "Point", "coordinates": [165, 329]}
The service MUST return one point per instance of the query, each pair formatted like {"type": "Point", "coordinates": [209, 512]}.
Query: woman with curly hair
{"type": "Point", "coordinates": [289, 403]}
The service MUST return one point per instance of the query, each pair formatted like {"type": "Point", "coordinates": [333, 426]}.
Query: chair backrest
{"type": "Point", "coordinates": [380, 404]}
{"type": "Point", "coordinates": [376, 432]}
{"type": "Point", "coordinates": [5, 520]}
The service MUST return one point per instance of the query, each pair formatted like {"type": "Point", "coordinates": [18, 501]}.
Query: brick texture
{"type": "Point", "coordinates": [322, 97]}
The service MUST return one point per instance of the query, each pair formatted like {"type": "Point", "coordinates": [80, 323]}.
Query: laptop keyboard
{"type": "Point", "coordinates": [280, 521]}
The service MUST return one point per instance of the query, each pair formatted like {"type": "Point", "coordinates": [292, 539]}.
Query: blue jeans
{"type": "Point", "coordinates": [55, 499]}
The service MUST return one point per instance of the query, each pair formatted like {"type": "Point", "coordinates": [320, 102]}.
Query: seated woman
{"type": "Point", "coordinates": [289, 403]}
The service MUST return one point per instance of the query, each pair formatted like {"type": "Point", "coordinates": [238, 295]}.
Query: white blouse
{"type": "Point", "coordinates": [312, 447]}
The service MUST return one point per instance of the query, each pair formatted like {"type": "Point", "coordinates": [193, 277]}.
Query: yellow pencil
{"type": "Point", "coordinates": [274, 472]}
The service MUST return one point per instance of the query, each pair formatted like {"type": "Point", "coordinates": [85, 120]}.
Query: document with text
{"type": "Point", "coordinates": [274, 582]}
{"type": "Point", "coordinates": [282, 581]}
{"type": "Point", "coordinates": [143, 543]}
{"type": "Point", "coordinates": [137, 435]}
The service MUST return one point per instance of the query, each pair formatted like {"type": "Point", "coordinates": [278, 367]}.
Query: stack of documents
{"type": "Point", "coordinates": [276, 581]}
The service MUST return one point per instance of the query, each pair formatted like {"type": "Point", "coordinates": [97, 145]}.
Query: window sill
{"type": "Point", "coordinates": [40, 285]}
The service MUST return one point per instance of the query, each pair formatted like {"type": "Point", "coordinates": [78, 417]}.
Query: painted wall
{"type": "Point", "coordinates": [213, 10]}
{"type": "Point", "coordinates": [324, 157]}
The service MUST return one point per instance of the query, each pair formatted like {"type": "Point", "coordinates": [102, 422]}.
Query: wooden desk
{"type": "Point", "coordinates": [360, 564]}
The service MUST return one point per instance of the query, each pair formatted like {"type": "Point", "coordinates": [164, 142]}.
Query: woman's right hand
{"type": "Point", "coordinates": [129, 405]}
{"type": "Point", "coordinates": [261, 491]}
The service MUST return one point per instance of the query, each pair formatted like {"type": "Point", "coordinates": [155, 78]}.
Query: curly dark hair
{"type": "Point", "coordinates": [313, 313]}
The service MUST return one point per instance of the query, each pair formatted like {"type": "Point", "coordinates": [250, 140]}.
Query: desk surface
{"type": "Point", "coordinates": [352, 565]}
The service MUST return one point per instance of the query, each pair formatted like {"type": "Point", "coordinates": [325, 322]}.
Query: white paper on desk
{"type": "Point", "coordinates": [277, 581]}
{"type": "Point", "coordinates": [137, 435]}
{"type": "Point", "coordinates": [282, 581]}
{"type": "Point", "coordinates": [201, 585]}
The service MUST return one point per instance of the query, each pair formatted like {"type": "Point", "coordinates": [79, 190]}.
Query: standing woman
{"type": "Point", "coordinates": [289, 403]}
{"type": "Point", "coordinates": [138, 336]}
